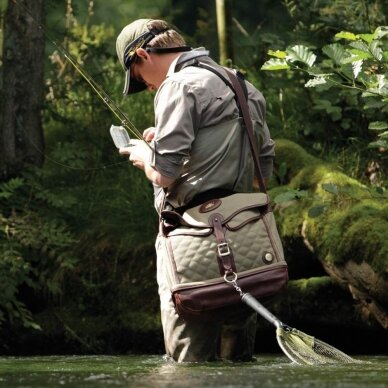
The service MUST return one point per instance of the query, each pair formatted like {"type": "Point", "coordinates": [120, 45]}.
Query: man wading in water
{"type": "Point", "coordinates": [188, 100]}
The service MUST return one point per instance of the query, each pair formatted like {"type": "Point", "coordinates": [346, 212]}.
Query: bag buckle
{"type": "Point", "coordinates": [223, 249]}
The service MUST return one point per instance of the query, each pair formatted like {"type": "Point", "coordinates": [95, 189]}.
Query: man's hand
{"type": "Point", "coordinates": [138, 151]}
{"type": "Point", "coordinates": [140, 154]}
{"type": "Point", "coordinates": [149, 134]}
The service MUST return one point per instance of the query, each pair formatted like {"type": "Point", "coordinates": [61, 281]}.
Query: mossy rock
{"type": "Point", "coordinates": [341, 222]}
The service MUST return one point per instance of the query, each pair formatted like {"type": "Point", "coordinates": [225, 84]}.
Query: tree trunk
{"type": "Point", "coordinates": [223, 9]}
{"type": "Point", "coordinates": [21, 133]}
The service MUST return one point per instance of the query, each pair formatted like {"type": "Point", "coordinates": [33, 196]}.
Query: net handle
{"type": "Point", "coordinates": [252, 302]}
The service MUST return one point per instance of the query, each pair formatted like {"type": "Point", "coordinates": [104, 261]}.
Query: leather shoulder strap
{"type": "Point", "coordinates": [243, 105]}
{"type": "Point", "coordinates": [237, 83]}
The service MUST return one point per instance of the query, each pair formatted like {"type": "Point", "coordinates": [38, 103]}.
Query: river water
{"type": "Point", "coordinates": [155, 371]}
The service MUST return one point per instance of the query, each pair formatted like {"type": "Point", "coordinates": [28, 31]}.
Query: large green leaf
{"type": "Point", "coordinates": [302, 54]}
{"type": "Point", "coordinates": [275, 64]}
{"type": "Point", "coordinates": [362, 50]}
{"type": "Point", "coordinates": [361, 46]}
{"type": "Point", "coordinates": [378, 144]}
{"type": "Point", "coordinates": [335, 52]}
{"type": "Point", "coordinates": [360, 54]}
{"type": "Point", "coordinates": [380, 32]}
{"type": "Point", "coordinates": [346, 35]}
{"type": "Point", "coordinates": [366, 37]}
{"type": "Point", "coordinates": [376, 50]}
{"type": "Point", "coordinates": [277, 54]}
{"type": "Point", "coordinates": [384, 135]}
{"type": "Point", "coordinates": [378, 125]}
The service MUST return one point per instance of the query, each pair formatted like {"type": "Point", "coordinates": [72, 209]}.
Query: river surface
{"type": "Point", "coordinates": [155, 371]}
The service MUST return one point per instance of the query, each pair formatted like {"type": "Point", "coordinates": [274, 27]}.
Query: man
{"type": "Point", "coordinates": [194, 153]}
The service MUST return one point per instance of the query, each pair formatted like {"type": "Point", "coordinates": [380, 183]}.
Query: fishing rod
{"type": "Point", "coordinates": [124, 120]}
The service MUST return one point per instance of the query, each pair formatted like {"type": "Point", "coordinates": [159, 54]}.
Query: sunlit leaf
{"type": "Point", "coordinates": [378, 125]}
{"type": "Point", "coordinates": [302, 54]}
{"type": "Point", "coordinates": [345, 35]}
{"type": "Point", "coordinates": [366, 37]}
{"type": "Point", "coordinates": [384, 135]}
{"type": "Point", "coordinates": [275, 64]}
{"type": "Point", "coordinates": [351, 59]}
{"type": "Point", "coordinates": [361, 54]}
{"type": "Point", "coordinates": [381, 32]}
{"type": "Point", "coordinates": [357, 67]}
{"type": "Point", "coordinates": [277, 54]}
{"type": "Point", "coordinates": [315, 82]}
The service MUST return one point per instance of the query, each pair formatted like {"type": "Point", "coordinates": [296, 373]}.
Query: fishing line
{"type": "Point", "coordinates": [115, 109]}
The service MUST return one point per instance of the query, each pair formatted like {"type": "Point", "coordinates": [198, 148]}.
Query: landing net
{"type": "Point", "coordinates": [305, 349]}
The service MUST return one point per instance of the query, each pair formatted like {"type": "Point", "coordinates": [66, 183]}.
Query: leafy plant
{"type": "Point", "coordinates": [356, 63]}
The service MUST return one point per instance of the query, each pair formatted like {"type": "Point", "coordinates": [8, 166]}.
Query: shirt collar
{"type": "Point", "coordinates": [186, 56]}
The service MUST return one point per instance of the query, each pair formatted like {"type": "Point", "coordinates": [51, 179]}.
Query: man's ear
{"type": "Point", "coordinates": [140, 52]}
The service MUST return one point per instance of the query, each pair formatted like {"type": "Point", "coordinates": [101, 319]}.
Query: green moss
{"type": "Point", "coordinates": [354, 226]}
{"type": "Point", "coordinates": [359, 233]}
{"type": "Point", "coordinates": [289, 220]}
{"type": "Point", "coordinates": [293, 156]}
{"type": "Point", "coordinates": [310, 287]}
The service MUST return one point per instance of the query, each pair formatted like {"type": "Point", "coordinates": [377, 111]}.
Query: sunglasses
{"type": "Point", "coordinates": [140, 42]}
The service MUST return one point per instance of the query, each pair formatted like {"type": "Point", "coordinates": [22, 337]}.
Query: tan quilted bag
{"type": "Point", "coordinates": [236, 236]}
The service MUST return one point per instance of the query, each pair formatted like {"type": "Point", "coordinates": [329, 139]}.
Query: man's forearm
{"type": "Point", "coordinates": [157, 178]}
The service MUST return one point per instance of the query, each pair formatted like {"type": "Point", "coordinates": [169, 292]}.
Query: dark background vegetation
{"type": "Point", "coordinates": [77, 262]}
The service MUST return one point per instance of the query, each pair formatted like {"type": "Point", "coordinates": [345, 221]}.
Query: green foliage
{"type": "Point", "coordinates": [358, 65]}
{"type": "Point", "coordinates": [34, 248]}
{"type": "Point", "coordinates": [79, 232]}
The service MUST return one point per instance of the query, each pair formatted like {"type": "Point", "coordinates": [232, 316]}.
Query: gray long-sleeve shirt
{"type": "Point", "coordinates": [199, 139]}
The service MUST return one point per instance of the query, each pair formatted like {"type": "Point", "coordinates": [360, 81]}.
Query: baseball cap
{"type": "Point", "coordinates": [133, 36]}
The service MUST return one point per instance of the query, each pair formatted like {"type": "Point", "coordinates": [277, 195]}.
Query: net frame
{"type": "Point", "coordinates": [299, 347]}
{"type": "Point", "coordinates": [304, 349]}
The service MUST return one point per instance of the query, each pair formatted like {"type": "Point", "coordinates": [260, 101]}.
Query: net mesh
{"type": "Point", "coordinates": [305, 349]}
